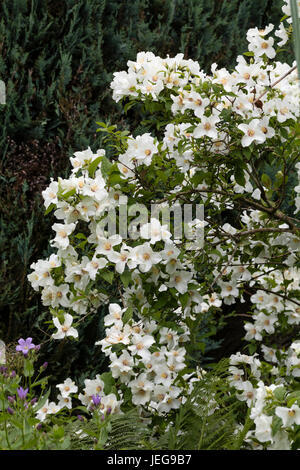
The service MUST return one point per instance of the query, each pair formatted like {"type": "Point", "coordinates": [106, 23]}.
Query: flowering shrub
{"type": "Point", "coordinates": [210, 140]}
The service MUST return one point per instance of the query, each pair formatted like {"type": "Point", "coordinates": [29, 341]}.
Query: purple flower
{"type": "Point", "coordinates": [10, 410]}
{"type": "Point", "coordinates": [22, 393]}
{"type": "Point", "coordinates": [11, 399]}
{"type": "Point", "coordinates": [96, 399]}
{"type": "Point", "coordinates": [25, 345]}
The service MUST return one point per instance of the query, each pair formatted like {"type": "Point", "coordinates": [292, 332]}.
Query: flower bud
{"type": "Point", "coordinates": [10, 410]}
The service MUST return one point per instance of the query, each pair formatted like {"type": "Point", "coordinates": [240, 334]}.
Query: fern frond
{"type": "Point", "coordinates": [207, 420]}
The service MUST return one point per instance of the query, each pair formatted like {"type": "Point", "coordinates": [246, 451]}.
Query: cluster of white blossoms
{"type": "Point", "coordinates": [66, 389]}
{"type": "Point", "coordinates": [162, 294]}
{"type": "Point", "coordinates": [147, 366]}
{"type": "Point", "coordinates": [267, 402]}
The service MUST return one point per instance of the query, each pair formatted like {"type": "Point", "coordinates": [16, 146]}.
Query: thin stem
{"type": "Point", "coordinates": [275, 83]}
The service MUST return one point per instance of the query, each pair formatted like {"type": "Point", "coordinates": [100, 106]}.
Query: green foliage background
{"type": "Point", "coordinates": [57, 58]}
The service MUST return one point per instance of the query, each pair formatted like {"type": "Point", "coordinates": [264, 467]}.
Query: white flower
{"type": "Point", "coordinates": [248, 392]}
{"type": "Point", "coordinates": [141, 149]}
{"type": "Point", "coordinates": [168, 336]}
{"type": "Point", "coordinates": [289, 416]}
{"type": "Point", "coordinates": [140, 345]}
{"type": "Point", "coordinates": [105, 245]}
{"type": "Point", "coordinates": [64, 329]}
{"type": "Point", "coordinates": [110, 404]}
{"type": "Point", "coordinates": [155, 231]}
{"type": "Point", "coordinates": [144, 257]}
{"type": "Point", "coordinates": [122, 366]}
{"type": "Point", "coordinates": [67, 387]}
{"type": "Point", "coordinates": [120, 258]}
{"type": "Point", "coordinates": [64, 401]}
{"type": "Point", "coordinates": [180, 280]}
{"type": "Point", "coordinates": [141, 389]}
{"type": "Point", "coordinates": [62, 235]}
{"type": "Point", "coordinates": [252, 133]}
{"type": "Point", "coordinates": [50, 194]}
{"type": "Point", "coordinates": [266, 322]}
{"type": "Point", "coordinates": [46, 409]}
{"type": "Point", "coordinates": [84, 158]}
{"type": "Point", "coordinates": [236, 379]}
{"type": "Point", "coordinates": [115, 316]}
{"type": "Point", "coordinates": [93, 266]}
{"type": "Point", "coordinates": [56, 295]}
{"type": "Point", "coordinates": [207, 127]}
{"type": "Point", "coordinates": [263, 430]}
{"type": "Point", "coordinates": [123, 84]}
{"type": "Point", "coordinates": [170, 401]}
{"type": "Point", "coordinates": [92, 387]}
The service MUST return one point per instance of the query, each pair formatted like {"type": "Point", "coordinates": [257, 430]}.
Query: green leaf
{"type": "Point", "coordinates": [115, 178]}
{"type": "Point", "coordinates": [106, 166]}
{"type": "Point", "coordinates": [266, 181]}
{"type": "Point", "coordinates": [184, 298]}
{"type": "Point", "coordinates": [126, 277]}
{"type": "Point", "coordinates": [276, 424]}
{"type": "Point", "coordinates": [81, 236]}
{"type": "Point", "coordinates": [127, 315]}
{"type": "Point", "coordinates": [108, 276]}
{"type": "Point", "coordinates": [68, 194]}
{"type": "Point", "coordinates": [292, 398]}
{"type": "Point", "coordinates": [28, 368]}
{"type": "Point", "coordinates": [279, 393]}
{"type": "Point", "coordinates": [129, 105]}
{"type": "Point", "coordinates": [58, 432]}
{"type": "Point", "coordinates": [109, 382]}
{"type": "Point", "coordinates": [94, 165]}
{"type": "Point", "coordinates": [50, 209]}
{"type": "Point", "coordinates": [239, 176]}
{"type": "Point", "coordinates": [42, 400]}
